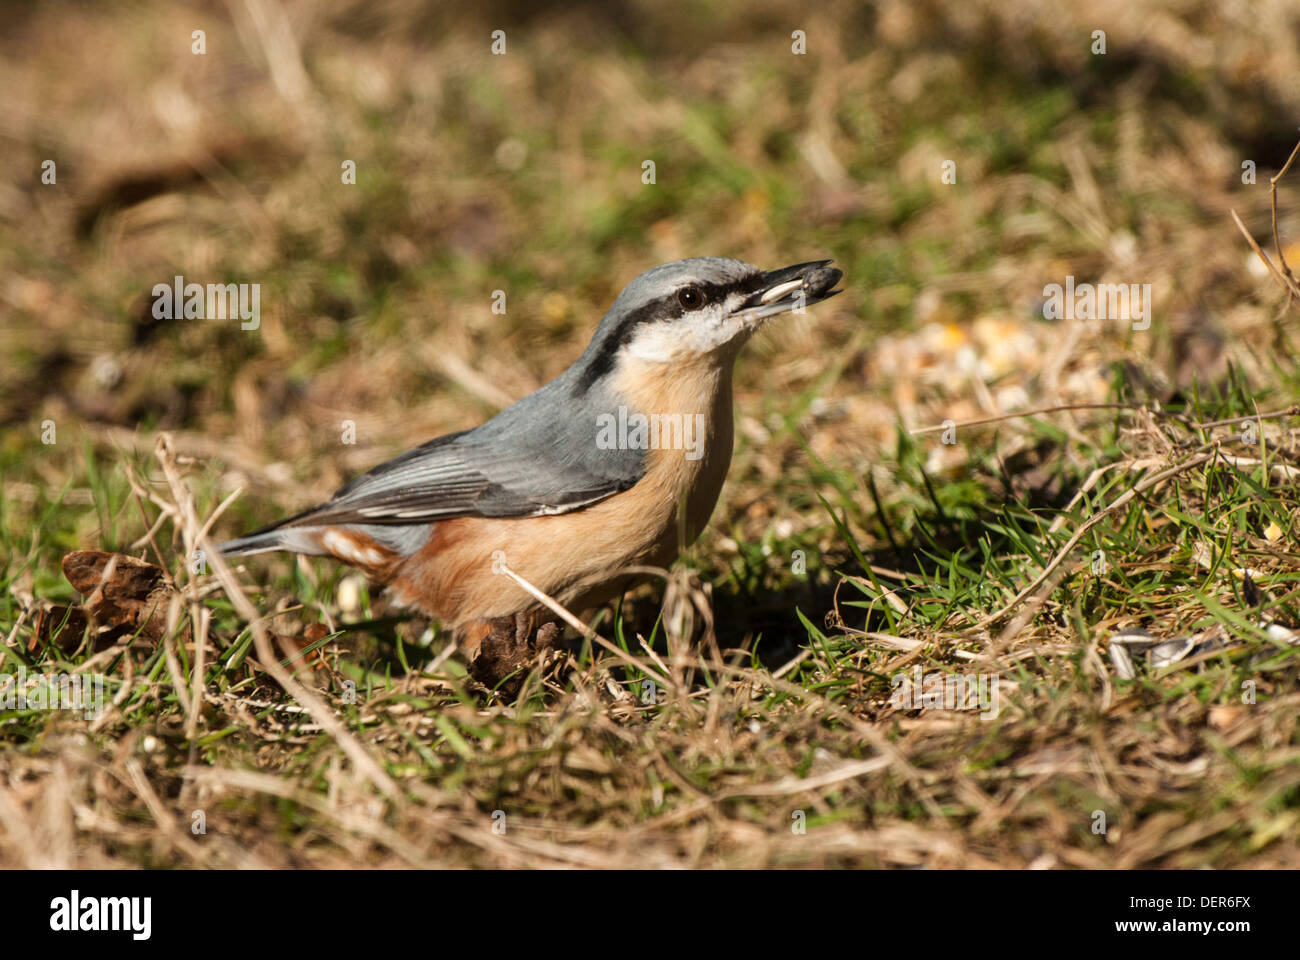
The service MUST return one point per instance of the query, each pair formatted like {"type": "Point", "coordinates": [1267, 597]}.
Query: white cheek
{"type": "Point", "coordinates": [690, 336]}
{"type": "Point", "coordinates": [715, 330]}
{"type": "Point", "coordinates": [656, 344]}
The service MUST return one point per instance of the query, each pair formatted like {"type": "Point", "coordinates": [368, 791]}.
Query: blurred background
{"type": "Point", "coordinates": [523, 172]}
{"type": "Point", "coordinates": [953, 158]}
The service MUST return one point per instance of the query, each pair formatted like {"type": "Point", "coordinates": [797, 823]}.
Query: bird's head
{"type": "Point", "coordinates": [703, 307]}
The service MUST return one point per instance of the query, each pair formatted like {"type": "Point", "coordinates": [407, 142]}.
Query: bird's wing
{"type": "Point", "coordinates": [457, 475]}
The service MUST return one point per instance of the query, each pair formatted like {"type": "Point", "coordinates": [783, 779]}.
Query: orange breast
{"type": "Point", "coordinates": [576, 557]}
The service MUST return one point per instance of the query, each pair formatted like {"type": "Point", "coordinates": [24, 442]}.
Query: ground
{"type": "Point", "coordinates": [935, 473]}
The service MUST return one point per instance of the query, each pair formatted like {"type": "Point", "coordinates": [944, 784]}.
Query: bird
{"type": "Point", "coordinates": [618, 462]}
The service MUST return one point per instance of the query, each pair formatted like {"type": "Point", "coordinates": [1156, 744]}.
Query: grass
{"type": "Point", "coordinates": [742, 711]}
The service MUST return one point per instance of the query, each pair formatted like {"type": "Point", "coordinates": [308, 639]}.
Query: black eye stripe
{"type": "Point", "coordinates": [603, 350]}
{"type": "Point", "coordinates": [715, 292]}
{"type": "Point", "coordinates": [665, 306]}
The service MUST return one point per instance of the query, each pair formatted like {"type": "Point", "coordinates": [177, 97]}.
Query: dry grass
{"type": "Point", "coordinates": [522, 173]}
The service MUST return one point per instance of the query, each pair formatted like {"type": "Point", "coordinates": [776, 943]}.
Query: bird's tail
{"type": "Point", "coordinates": [292, 539]}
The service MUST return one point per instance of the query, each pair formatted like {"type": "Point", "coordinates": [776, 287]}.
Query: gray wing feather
{"type": "Point", "coordinates": [462, 480]}
{"type": "Point", "coordinates": [525, 462]}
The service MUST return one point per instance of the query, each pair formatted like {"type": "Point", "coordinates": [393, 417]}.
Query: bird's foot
{"type": "Point", "coordinates": [509, 648]}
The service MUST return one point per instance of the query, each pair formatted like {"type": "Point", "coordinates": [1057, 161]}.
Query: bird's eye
{"type": "Point", "coordinates": [691, 298]}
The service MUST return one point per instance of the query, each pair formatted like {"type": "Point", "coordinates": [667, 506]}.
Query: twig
{"type": "Point", "coordinates": [1292, 290]}
{"type": "Point", "coordinates": [1122, 500]}
{"type": "Point", "coordinates": [556, 608]}
{"type": "Point", "coordinates": [320, 712]}
{"type": "Point", "coordinates": [1291, 411]}
{"type": "Point", "coordinates": [1272, 196]}
{"type": "Point", "coordinates": [1054, 409]}
{"type": "Point", "coordinates": [869, 733]}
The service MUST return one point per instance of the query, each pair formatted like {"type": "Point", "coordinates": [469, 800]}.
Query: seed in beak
{"type": "Point", "coordinates": [780, 290]}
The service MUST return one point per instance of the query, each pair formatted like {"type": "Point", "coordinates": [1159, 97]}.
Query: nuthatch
{"type": "Point", "coordinates": [617, 462]}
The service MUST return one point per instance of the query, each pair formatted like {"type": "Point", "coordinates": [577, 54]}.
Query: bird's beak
{"type": "Point", "coordinates": [791, 288]}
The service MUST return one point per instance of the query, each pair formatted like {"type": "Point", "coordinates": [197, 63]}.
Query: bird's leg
{"type": "Point", "coordinates": [547, 636]}
{"type": "Point", "coordinates": [510, 646]}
